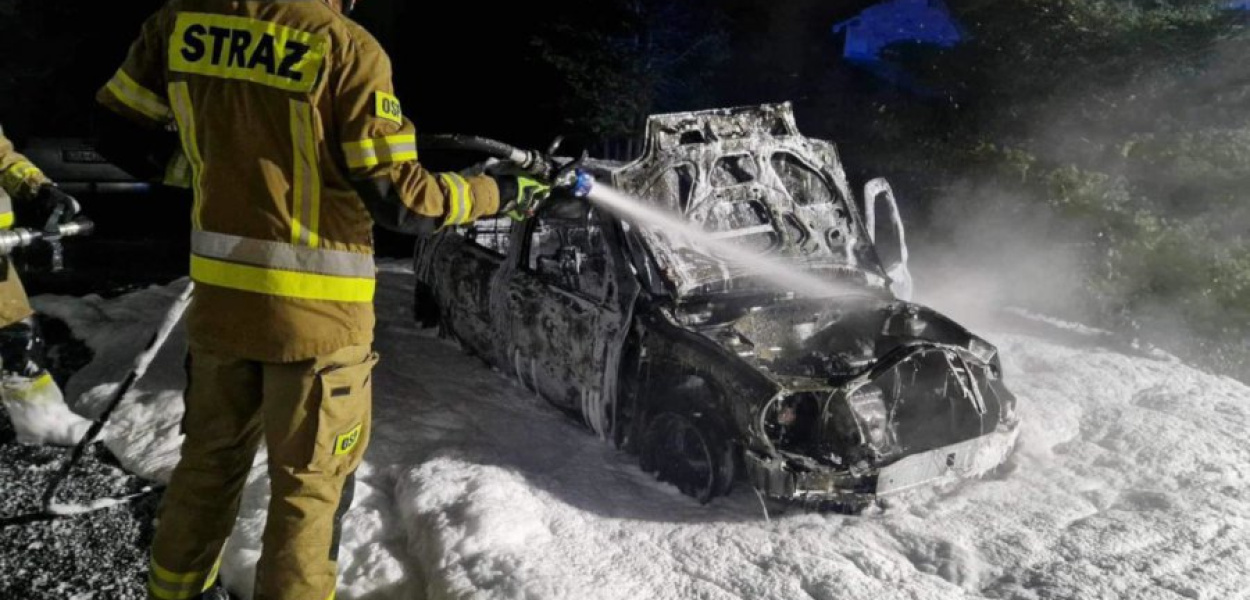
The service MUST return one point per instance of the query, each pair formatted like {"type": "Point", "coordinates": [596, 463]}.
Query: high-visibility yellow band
{"type": "Point", "coordinates": [286, 284]}
{"type": "Point", "coordinates": [24, 170]}
{"type": "Point", "coordinates": [455, 198]}
{"type": "Point", "coordinates": [460, 200]}
{"type": "Point", "coordinates": [306, 183]}
{"type": "Point", "coordinates": [212, 575]}
{"type": "Point", "coordinates": [178, 171]}
{"type": "Point", "coordinates": [167, 576]}
{"type": "Point", "coordinates": [138, 98]}
{"type": "Point", "coordinates": [379, 151]}
{"type": "Point", "coordinates": [22, 179]}
{"type": "Point", "coordinates": [23, 389]}
{"type": "Point", "coordinates": [158, 590]}
{"type": "Point", "coordinates": [403, 138]}
{"type": "Point", "coordinates": [6, 220]}
{"type": "Point", "coordinates": [42, 382]}
{"type": "Point", "coordinates": [269, 254]}
{"type": "Point", "coordinates": [176, 591]}
{"type": "Point", "coordinates": [168, 585]}
{"type": "Point", "coordinates": [180, 94]}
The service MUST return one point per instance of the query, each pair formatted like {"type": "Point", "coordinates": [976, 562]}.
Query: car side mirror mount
{"type": "Point", "coordinates": [888, 237]}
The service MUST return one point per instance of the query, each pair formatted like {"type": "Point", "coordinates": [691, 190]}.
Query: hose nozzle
{"type": "Point", "coordinates": [578, 182]}
{"type": "Point", "coordinates": [584, 184]}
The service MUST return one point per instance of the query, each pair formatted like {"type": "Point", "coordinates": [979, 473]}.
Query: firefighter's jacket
{"type": "Point", "coordinates": [20, 180]}
{"type": "Point", "coordinates": [280, 105]}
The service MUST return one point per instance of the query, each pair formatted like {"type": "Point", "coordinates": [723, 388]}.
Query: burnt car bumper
{"type": "Point", "coordinates": [784, 479]}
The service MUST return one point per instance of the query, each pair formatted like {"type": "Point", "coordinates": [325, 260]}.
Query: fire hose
{"type": "Point", "coordinates": [561, 174]}
{"type": "Point", "coordinates": [49, 504]}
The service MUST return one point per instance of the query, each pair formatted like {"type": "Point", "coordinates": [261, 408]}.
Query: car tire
{"type": "Point", "coordinates": [690, 451]}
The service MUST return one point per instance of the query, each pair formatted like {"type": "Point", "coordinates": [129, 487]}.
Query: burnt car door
{"type": "Point", "coordinates": [567, 311]}
{"type": "Point", "coordinates": [471, 272]}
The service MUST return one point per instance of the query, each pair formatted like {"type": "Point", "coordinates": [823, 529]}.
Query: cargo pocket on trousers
{"type": "Point", "coordinates": [343, 420]}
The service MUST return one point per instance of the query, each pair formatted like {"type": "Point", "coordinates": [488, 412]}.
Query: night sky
{"type": "Point", "coordinates": [458, 66]}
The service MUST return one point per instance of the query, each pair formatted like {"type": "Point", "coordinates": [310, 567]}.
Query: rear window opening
{"type": "Point", "coordinates": [805, 184]}
{"type": "Point", "coordinates": [692, 137]}
{"type": "Point", "coordinates": [734, 170]}
{"type": "Point", "coordinates": [677, 182]}
{"type": "Point", "coordinates": [779, 128]}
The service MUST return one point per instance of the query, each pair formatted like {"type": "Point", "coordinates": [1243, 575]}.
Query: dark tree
{"type": "Point", "coordinates": [625, 59]}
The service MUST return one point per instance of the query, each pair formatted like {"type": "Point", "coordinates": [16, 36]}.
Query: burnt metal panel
{"type": "Point", "coordinates": [747, 174]}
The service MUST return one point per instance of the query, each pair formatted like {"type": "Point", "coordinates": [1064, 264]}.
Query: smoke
{"type": "Point", "coordinates": [1121, 205]}
{"type": "Point", "coordinates": [986, 247]}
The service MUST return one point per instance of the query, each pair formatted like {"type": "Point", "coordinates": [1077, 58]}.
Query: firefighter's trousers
{"type": "Point", "coordinates": [314, 417]}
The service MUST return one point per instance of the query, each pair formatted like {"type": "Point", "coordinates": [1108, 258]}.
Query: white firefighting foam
{"type": "Point", "coordinates": [1130, 482]}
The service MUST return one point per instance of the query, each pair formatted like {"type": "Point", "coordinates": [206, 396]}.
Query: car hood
{"type": "Point", "coordinates": [747, 178]}
{"type": "Point", "coordinates": [832, 342]}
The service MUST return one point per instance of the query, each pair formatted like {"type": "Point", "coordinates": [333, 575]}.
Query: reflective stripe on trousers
{"type": "Point", "coordinates": [280, 269]}
{"type": "Point", "coordinates": [164, 584]}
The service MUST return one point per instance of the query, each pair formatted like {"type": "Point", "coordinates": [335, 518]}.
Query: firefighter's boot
{"type": "Point", "coordinates": [38, 411]}
{"type": "Point", "coordinates": [32, 399]}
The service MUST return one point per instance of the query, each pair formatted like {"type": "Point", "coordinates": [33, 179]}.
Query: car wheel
{"type": "Point", "coordinates": [689, 452]}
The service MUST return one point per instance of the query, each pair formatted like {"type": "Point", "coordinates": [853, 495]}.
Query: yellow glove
{"type": "Point", "coordinates": [520, 196]}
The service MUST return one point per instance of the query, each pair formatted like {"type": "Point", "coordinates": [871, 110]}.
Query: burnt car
{"type": "Point", "coordinates": [706, 372]}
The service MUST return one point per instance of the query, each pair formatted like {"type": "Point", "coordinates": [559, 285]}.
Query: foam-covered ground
{"type": "Point", "coordinates": [1131, 481]}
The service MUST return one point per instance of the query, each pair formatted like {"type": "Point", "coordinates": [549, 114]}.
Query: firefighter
{"type": "Point", "coordinates": [33, 400]}
{"type": "Point", "coordinates": [297, 146]}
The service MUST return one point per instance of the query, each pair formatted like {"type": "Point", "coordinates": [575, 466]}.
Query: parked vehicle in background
{"type": "Point", "coordinates": [142, 234]}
